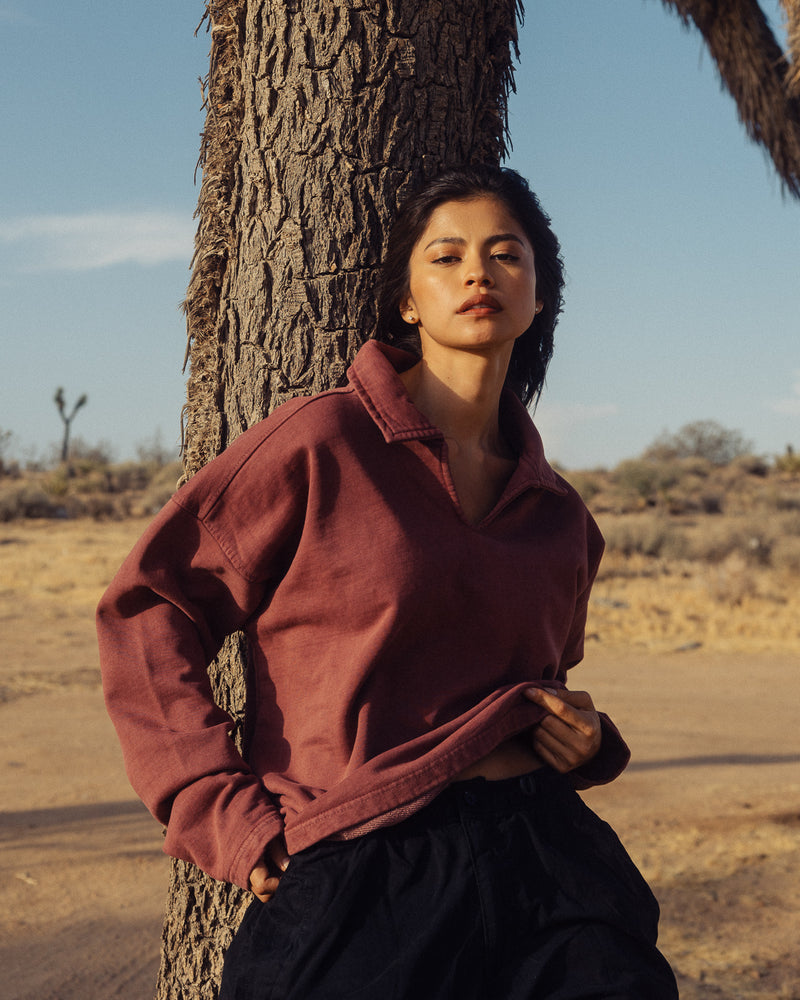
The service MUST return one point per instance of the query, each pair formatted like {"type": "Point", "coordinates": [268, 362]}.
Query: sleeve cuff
{"type": "Point", "coordinates": [610, 761]}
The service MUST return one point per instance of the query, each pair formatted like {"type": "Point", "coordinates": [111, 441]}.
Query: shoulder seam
{"type": "Point", "coordinates": [304, 402]}
{"type": "Point", "coordinates": [201, 521]}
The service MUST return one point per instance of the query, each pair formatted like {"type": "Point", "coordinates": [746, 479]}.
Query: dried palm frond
{"type": "Point", "coordinates": [757, 73]}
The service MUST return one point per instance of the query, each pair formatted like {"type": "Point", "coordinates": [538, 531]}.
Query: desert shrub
{"type": "Point", "coordinates": [85, 454]}
{"type": "Point", "coordinates": [82, 455]}
{"type": "Point", "coordinates": [789, 524]}
{"type": "Point", "coordinates": [693, 467]}
{"type": "Point", "coordinates": [751, 465]}
{"type": "Point", "coordinates": [786, 500]}
{"type": "Point", "coordinates": [57, 485]}
{"type": "Point", "coordinates": [27, 500]}
{"type": "Point", "coordinates": [732, 581]}
{"type": "Point", "coordinates": [711, 503]}
{"type": "Point", "coordinates": [723, 539]}
{"type": "Point", "coordinates": [130, 476]}
{"type": "Point", "coordinates": [92, 480]}
{"type": "Point", "coordinates": [153, 451]}
{"type": "Point", "coordinates": [644, 478]}
{"type": "Point", "coordinates": [588, 484]}
{"type": "Point", "coordinates": [161, 489]}
{"type": "Point", "coordinates": [6, 438]}
{"type": "Point", "coordinates": [702, 439]}
{"type": "Point", "coordinates": [788, 462]}
{"type": "Point", "coordinates": [786, 555]}
{"type": "Point", "coordinates": [647, 536]}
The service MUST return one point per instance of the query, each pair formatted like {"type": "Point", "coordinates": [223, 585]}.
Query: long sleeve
{"type": "Point", "coordinates": [160, 623]}
{"type": "Point", "coordinates": [210, 558]}
{"type": "Point", "coordinates": [614, 754]}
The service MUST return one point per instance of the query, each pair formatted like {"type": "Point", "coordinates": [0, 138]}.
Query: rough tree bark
{"type": "Point", "coordinates": [763, 80]}
{"type": "Point", "coordinates": [320, 115]}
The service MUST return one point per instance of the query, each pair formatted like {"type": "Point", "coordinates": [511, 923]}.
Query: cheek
{"type": "Point", "coordinates": [426, 294]}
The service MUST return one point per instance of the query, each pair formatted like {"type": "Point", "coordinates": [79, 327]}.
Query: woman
{"type": "Point", "coordinates": [413, 578]}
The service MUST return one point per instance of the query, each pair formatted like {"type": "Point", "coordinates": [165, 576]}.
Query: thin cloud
{"type": "Point", "coordinates": [97, 239]}
{"type": "Point", "coordinates": [789, 406]}
{"type": "Point", "coordinates": [561, 416]}
{"type": "Point", "coordinates": [13, 15]}
{"type": "Point", "coordinates": [557, 422]}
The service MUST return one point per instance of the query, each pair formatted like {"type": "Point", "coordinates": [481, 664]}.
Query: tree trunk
{"type": "Point", "coordinates": [320, 116]}
{"type": "Point", "coordinates": [792, 11]}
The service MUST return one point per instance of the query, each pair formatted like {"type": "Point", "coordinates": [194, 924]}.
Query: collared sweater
{"type": "Point", "coordinates": [390, 639]}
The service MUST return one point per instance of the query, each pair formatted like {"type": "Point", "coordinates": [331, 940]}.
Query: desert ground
{"type": "Point", "coordinates": [705, 687]}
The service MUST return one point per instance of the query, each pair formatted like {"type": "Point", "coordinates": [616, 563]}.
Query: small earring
{"type": "Point", "coordinates": [539, 308]}
{"type": "Point", "coordinates": [411, 318]}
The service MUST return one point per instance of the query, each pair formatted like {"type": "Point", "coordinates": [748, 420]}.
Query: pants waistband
{"type": "Point", "coordinates": [480, 795]}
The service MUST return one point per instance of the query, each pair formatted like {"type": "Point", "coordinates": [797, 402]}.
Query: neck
{"type": "Point", "coordinates": [460, 394]}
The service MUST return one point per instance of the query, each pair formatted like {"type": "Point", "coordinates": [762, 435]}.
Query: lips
{"type": "Point", "coordinates": [479, 304]}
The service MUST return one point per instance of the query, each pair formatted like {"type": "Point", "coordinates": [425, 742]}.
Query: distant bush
{"type": "Point", "coordinates": [644, 535]}
{"type": "Point", "coordinates": [25, 500]}
{"type": "Point", "coordinates": [82, 454]}
{"type": "Point", "coordinates": [702, 439]}
{"type": "Point", "coordinates": [732, 581]}
{"type": "Point", "coordinates": [6, 438]}
{"type": "Point", "coordinates": [153, 451]}
{"type": "Point", "coordinates": [786, 556]}
{"type": "Point", "coordinates": [86, 488]}
{"type": "Point", "coordinates": [752, 465]}
{"type": "Point", "coordinates": [645, 478]}
{"type": "Point", "coordinates": [786, 500]}
{"type": "Point", "coordinates": [788, 462]}
{"type": "Point", "coordinates": [588, 484]}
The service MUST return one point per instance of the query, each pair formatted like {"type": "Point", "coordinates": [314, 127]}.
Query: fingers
{"type": "Point", "coordinates": [262, 884]}
{"type": "Point", "coordinates": [561, 747]}
{"type": "Point", "coordinates": [570, 734]}
{"type": "Point", "coordinates": [561, 702]}
{"type": "Point", "coordinates": [266, 875]}
{"type": "Point", "coordinates": [276, 853]}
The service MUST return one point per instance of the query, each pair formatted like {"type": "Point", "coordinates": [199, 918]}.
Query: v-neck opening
{"type": "Point", "coordinates": [498, 505]}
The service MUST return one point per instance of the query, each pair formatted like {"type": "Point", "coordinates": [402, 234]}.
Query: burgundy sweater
{"type": "Point", "coordinates": [391, 640]}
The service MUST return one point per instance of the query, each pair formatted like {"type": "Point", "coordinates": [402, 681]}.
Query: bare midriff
{"type": "Point", "coordinates": [510, 759]}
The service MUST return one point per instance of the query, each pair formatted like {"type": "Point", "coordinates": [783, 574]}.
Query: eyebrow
{"type": "Point", "coordinates": [498, 238]}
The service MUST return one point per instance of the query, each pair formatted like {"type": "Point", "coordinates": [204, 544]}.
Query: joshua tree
{"type": "Point", "coordinates": [763, 80]}
{"type": "Point", "coordinates": [61, 404]}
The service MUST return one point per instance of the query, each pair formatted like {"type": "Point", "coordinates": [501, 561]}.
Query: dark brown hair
{"type": "Point", "coordinates": [533, 350]}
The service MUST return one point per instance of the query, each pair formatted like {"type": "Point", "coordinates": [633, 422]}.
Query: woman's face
{"type": "Point", "coordinates": [472, 281]}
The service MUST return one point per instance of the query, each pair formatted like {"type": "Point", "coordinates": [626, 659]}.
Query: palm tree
{"type": "Point", "coordinates": [320, 116]}
{"type": "Point", "coordinates": [762, 78]}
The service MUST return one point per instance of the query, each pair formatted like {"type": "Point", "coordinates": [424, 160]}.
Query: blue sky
{"type": "Point", "coordinates": [683, 301]}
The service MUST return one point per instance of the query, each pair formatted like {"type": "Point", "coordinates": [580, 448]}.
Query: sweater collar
{"type": "Point", "coordinates": [373, 376]}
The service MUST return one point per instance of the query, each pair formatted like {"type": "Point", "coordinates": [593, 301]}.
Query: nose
{"type": "Point", "coordinates": [476, 272]}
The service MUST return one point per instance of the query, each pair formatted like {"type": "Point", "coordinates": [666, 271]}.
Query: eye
{"type": "Point", "coordinates": [447, 258]}
{"type": "Point", "coordinates": [506, 256]}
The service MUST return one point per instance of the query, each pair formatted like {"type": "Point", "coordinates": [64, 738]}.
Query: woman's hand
{"type": "Point", "coordinates": [267, 873]}
{"type": "Point", "coordinates": [570, 734]}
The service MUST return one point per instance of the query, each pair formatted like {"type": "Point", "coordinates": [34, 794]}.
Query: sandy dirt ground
{"type": "Point", "coordinates": [709, 808]}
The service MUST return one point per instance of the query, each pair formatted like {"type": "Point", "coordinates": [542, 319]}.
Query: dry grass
{"type": "Point", "coordinates": [658, 605]}
{"type": "Point", "coordinates": [52, 574]}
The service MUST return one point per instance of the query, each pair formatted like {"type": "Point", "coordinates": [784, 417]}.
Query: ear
{"type": "Point", "coordinates": [539, 306]}
{"type": "Point", "coordinates": [408, 311]}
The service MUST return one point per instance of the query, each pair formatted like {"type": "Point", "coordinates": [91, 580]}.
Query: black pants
{"type": "Point", "coordinates": [498, 889]}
